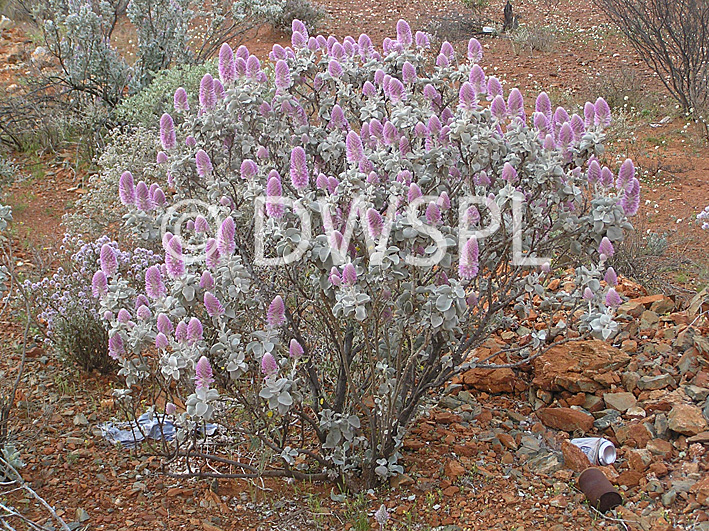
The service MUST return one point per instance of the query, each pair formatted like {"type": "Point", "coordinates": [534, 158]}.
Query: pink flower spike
{"type": "Point", "coordinates": [206, 281]}
{"type": "Point", "coordinates": [204, 165]}
{"type": "Point", "coordinates": [433, 214]}
{"type": "Point", "coordinates": [181, 332]}
{"type": "Point", "coordinates": [126, 188]}
{"type": "Point", "coordinates": [249, 169]}
{"type": "Point", "coordinates": [276, 314]}
{"type": "Point", "coordinates": [475, 50]}
{"type": "Point", "coordinates": [174, 261]}
{"type": "Point", "coordinates": [207, 96]}
{"type": "Point", "coordinates": [403, 33]}
{"type": "Point", "coordinates": [282, 75]}
{"type": "Point", "coordinates": [227, 68]}
{"type": "Point", "coordinates": [180, 100]}
{"type": "Point", "coordinates": [605, 248]}
{"type": "Point", "coordinates": [414, 192]}
{"type": "Point", "coordinates": [588, 294]}
{"type": "Point", "coordinates": [154, 286]}
{"type": "Point", "coordinates": [613, 299]}
{"type": "Point", "coordinates": [374, 223]}
{"type": "Point", "coordinates": [161, 341]}
{"type": "Point", "coordinates": [201, 226]}
{"type": "Point", "coordinates": [543, 105]}
{"type": "Point", "coordinates": [468, 267]}
{"type": "Point", "coordinates": [611, 277]}
{"type": "Point", "coordinates": [203, 375]}
{"type": "Point", "coordinates": [167, 132]}
{"type": "Point", "coordinates": [444, 201]}
{"type": "Point", "coordinates": [212, 305]}
{"type": "Point", "coordinates": [116, 346]}
{"type": "Point", "coordinates": [226, 237]}
{"type": "Point", "coordinates": [109, 262]}
{"type": "Point", "coordinates": [269, 365]}
{"type": "Point", "coordinates": [349, 275]}
{"type": "Point", "coordinates": [298, 168]}
{"type": "Point", "coordinates": [295, 349]}
{"type": "Point", "coordinates": [625, 174]}
{"type": "Point", "coordinates": [334, 277]}
{"type": "Point", "coordinates": [211, 252]}
{"type": "Point", "coordinates": [164, 324]}
{"type": "Point", "coordinates": [99, 284]}
{"type": "Point", "coordinates": [354, 148]}
{"type": "Point", "coordinates": [603, 113]}
{"type": "Point", "coordinates": [194, 331]}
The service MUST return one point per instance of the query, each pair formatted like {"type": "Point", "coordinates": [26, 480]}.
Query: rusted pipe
{"type": "Point", "coordinates": [598, 490]}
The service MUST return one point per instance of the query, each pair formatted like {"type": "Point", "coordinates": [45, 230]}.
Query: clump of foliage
{"type": "Point", "coordinates": [75, 325]}
{"type": "Point", "coordinates": [145, 108]}
{"type": "Point", "coordinates": [435, 214]}
{"type": "Point", "coordinates": [310, 13]}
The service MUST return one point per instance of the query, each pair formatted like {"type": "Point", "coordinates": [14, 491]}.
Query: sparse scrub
{"type": "Point", "coordinates": [310, 13]}
{"type": "Point", "coordinates": [672, 37]}
{"type": "Point", "coordinates": [542, 39]}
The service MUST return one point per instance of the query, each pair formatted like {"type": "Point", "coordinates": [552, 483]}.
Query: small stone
{"type": "Point", "coordinates": [635, 412]}
{"type": "Point", "coordinates": [546, 463]}
{"type": "Point", "coordinates": [660, 447]}
{"type": "Point", "coordinates": [607, 420]}
{"type": "Point", "coordinates": [401, 480]}
{"type": "Point", "coordinates": [507, 441]}
{"type": "Point", "coordinates": [574, 458]}
{"type": "Point", "coordinates": [655, 382]}
{"type": "Point", "coordinates": [669, 497]}
{"type": "Point", "coordinates": [648, 318]}
{"type": "Point", "coordinates": [454, 470]}
{"type": "Point", "coordinates": [664, 305]}
{"type": "Point", "coordinates": [702, 437]}
{"type": "Point", "coordinates": [566, 419]}
{"type": "Point", "coordinates": [620, 401]}
{"type": "Point", "coordinates": [82, 515]}
{"type": "Point", "coordinates": [80, 420]}
{"type": "Point", "coordinates": [662, 426]}
{"type": "Point", "coordinates": [630, 478]}
{"type": "Point", "coordinates": [701, 490]}
{"type": "Point", "coordinates": [687, 420]}
{"type": "Point", "coordinates": [696, 393]}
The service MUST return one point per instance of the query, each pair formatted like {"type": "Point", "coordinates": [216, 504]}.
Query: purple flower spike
{"type": "Point", "coordinates": [389, 134]}
{"type": "Point", "coordinates": [282, 75]}
{"type": "Point", "coordinates": [141, 300]}
{"type": "Point", "coordinates": [225, 237]}
{"type": "Point", "coordinates": [422, 40]}
{"type": "Point", "coordinates": [206, 281]}
{"type": "Point", "coordinates": [334, 277]}
{"type": "Point", "coordinates": [126, 188]}
{"type": "Point", "coordinates": [164, 324]}
{"type": "Point", "coordinates": [249, 169]}
{"type": "Point", "coordinates": [588, 294]}
{"type": "Point", "coordinates": [295, 349]}
{"type": "Point", "coordinates": [509, 174]}
{"type": "Point", "coordinates": [154, 286]}
{"type": "Point", "coordinates": [613, 299]}
{"type": "Point", "coordinates": [181, 332]}
{"type": "Point", "coordinates": [109, 262]}
{"type": "Point", "coordinates": [334, 68]}
{"type": "Point", "coordinates": [543, 105]}
{"type": "Point", "coordinates": [349, 275]}
{"type": "Point", "coordinates": [631, 199]}
{"type": "Point", "coordinates": [180, 100]}
{"type": "Point", "coordinates": [167, 132]}
{"type": "Point", "coordinates": [332, 184]}
{"type": "Point", "coordinates": [299, 26]}
{"type": "Point", "coordinates": [123, 316]}
{"type": "Point", "coordinates": [414, 192]}
{"type": "Point", "coordinates": [269, 365]}
{"type": "Point", "coordinates": [494, 88]}
{"type": "Point", "coordinates": [475, 50]}
{"type": "Point", "coordinates": [625, 174]}
{"type": "Point", "coordinates": [444, 201]}
{"type": "Point", "coordinates": [566, 134]}
{"type": "Point", "coordinates": [158, 197]}
{"type": "Point", "coordinates": [397, 91]}
{"type": "Point", "coordinates": [611, 277]}
{"type": "Point", "coordinates": [143, 313]}
{"type": "Point", "coordinates": [403, 33]}
{"type": "Point", "coordinates": [274, 190]}
{"type": "Point", "coordinates": [408, 73]}
{"type": "Point", "coordinates": [212, 305]}
{"type": "Point", "coordinates": [589, 114]}
{"type": "Point", "coordinates": [541, 124]}
{"type": "Point", "coordinates": [173, 258]}
{"type": "Point", "coordinates": [203, 375]}
{"type": "Point", "coordinates": [354, 148]}
{"type": "Point", "coordinates": [477, 79]}
{"type": "Point", "coordinates": [170, 408]}
{"type": "Point", "coordinates": [207, 96]}
{"type": "Point", "coordinates": [468, 267]}
{"type": "Point", "coordinates": [594, 172]}
{"type": "Point", "coordinates": [606, 249]}
{"type": "Point", "coordinates": [577, 127]}
{"type": "Point", "coordinates": [448, 50]}
{"type": "Point", "coordinates": [467, 97]}
{"type": "Point", "coordinates": [321, 181]}
{"type": "Point", "coordinates": [549, 143]}
{"type": "Point", "coordinates": [201, 225]}
{"type": "Point", "coordinates": [161, 158]}
{"type": "Point", "coordinates": [276, 314]}
{"type": "Point", "coordinates": [472, 215]}
{"type": "Point", "coordinates": [337, 119]}
{"type": "Point", "coordinates": [194, 331]}
{"type": "Point", "coordinates": [161, 341]}
{"type": "Point", "coordinates": [374, 223]}
{"type": "Point", "coordinates": [99, 284]}
{"type": "Point", "coordinates": [211, 252]}
{"type": "Point", "coordinates": [204, 165]}
{"type": "Point", "coordinates": [515, 104]}
{"type": "Point", "coordinates": [368, 89]}
{"type": "Point", "coordinates": [298, 168]}
{"type": "Point", "coordinates": [115, 346]}
{"type": "Point", "coordinates": [190, 141]}
{"type": "Point", "coordinates": [603, 113]}
{"type": "Point", "coordinates": [498, 109]}
{"type": "Point", "coordinates": [442, 61]}
{"type": "Point", "coordinates": [606, 177]}
{"type": "Point", "coordinates": [433, 214]}
{"type": "Point", "coordinates": [227, 68]}
{"type": "Point", "coordinates": [219, 91]}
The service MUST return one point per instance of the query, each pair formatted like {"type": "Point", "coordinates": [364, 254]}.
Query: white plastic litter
{"type": "Point", "coordinates": [599, 451]}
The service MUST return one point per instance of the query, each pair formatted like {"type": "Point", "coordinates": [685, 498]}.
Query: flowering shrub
{"type": "Point", "coordinates": [440, 206]}
{"type": "Point", "coordinates": [65, 302]}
